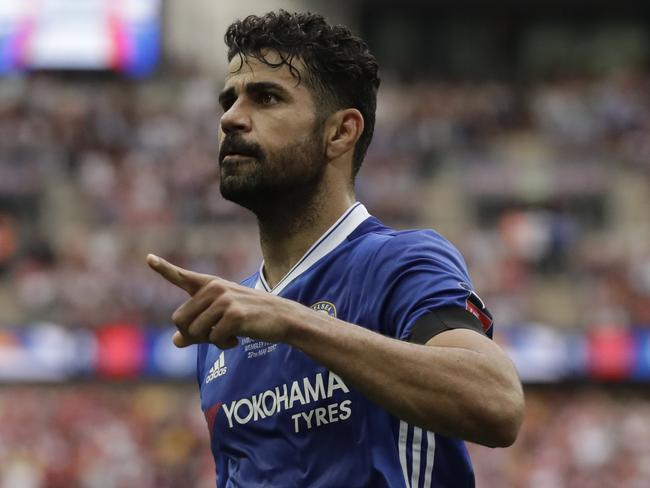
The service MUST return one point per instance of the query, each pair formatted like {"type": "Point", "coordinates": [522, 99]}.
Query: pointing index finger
{"type": "Point", "coordinates": [188, 280]}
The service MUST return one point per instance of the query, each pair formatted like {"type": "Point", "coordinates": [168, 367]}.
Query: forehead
{"type": "Point", "coordinates": [243, 70]}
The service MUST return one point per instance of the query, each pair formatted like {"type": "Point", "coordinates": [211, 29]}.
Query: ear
{"type": "Point", "coordinates": [343, 131]}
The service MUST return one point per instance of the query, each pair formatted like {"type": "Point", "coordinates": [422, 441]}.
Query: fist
{"type": "Point", "coordinates": [219, 310]}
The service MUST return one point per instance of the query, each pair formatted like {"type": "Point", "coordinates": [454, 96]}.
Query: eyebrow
{"type": "Point", "coordinates": [254, 88]}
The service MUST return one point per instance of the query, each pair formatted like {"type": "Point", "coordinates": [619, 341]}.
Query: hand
{"type": "Point", "coordinates": [219, 310]}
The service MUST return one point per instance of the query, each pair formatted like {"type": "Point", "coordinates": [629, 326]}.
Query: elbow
{"type": "Point", "coordinates": [506, 433]}
{"type": "Point", "coordinates": [505, 420]}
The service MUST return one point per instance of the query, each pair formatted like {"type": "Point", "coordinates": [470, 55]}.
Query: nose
{"type": "Point", "coordinates": [235, 119]}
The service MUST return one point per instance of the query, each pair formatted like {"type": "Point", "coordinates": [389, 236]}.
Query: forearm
{"type": "Point", "coordinates": [460, 384]}
{"type": "Point", "coordinates": [449, 390]}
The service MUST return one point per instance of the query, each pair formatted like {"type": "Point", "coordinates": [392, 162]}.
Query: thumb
{"type": "Point", "coordinates": [188, 280]}
{"type": "Point", "coordinates": [180, 340]}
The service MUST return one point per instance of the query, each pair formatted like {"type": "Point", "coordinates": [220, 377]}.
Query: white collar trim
{"type": "Point", "coordinates": [330, 240]}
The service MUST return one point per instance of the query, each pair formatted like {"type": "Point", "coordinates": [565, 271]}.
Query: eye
{"type": "Point", "coordinates": [226, 103]}
{"type": "Point", "coordinates": [268, 98]}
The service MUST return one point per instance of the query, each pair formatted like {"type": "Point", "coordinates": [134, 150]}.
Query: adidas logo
{"type": "Point", "coordinates": [219, 368]}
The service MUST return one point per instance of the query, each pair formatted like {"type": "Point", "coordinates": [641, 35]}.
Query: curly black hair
{"type": "Point", "coordinates": [339, 69]}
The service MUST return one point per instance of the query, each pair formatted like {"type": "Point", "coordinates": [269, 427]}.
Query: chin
{"type": "Point", "coordinates": [243, 195]}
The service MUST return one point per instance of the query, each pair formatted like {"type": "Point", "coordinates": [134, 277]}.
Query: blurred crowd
{"type": "Point", "coordinates": [93, 436]}
{"type": "Point", "coordinates": [543, 186]}
{"type": "Point", "coordinates": [103, 437]}
{"type": "Point", "coordinates": [574, 438]}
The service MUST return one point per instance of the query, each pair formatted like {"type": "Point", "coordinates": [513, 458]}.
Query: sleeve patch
{"type": "Point", "coordinates": [476, 307]}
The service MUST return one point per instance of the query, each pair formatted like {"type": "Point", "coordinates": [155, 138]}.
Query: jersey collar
{"type": "Point", "coordinates": [335, 235]}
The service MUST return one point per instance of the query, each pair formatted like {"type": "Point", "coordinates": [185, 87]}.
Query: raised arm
{"type": "Point", "coordinates": [459, 384]}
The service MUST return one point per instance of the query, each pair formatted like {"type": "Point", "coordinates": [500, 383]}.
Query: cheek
{"type": "Point", "coordinates": [275, 132]}
{"type": "Point", "coordinates": [287, 121]}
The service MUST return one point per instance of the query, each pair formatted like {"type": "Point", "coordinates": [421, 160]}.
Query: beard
{"type": "Point", "coordinates": [265, 182]}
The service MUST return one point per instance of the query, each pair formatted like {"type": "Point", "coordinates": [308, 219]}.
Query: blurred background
{"type": "Point", "coordinates": [519, 130]}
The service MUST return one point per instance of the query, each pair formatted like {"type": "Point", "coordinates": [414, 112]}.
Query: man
{"type": "Point", "coordinates": [357, 356]}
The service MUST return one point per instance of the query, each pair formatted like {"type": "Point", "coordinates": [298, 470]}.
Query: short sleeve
{"type": "Point", "coordinates": [417, 272]}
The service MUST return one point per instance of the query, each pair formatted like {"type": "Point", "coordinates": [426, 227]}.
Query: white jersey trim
{"type": "Point", "coordinates": [431, 448]}
{"type": "Point", "coordinates": [403, 433]}
{"type": "Point", "coordinates": [330, 240]}
{"type": "Point", "coordinates": [417, 455]}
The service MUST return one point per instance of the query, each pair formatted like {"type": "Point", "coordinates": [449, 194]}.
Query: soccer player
{"type": "Point", "coordinates": [358, 355]}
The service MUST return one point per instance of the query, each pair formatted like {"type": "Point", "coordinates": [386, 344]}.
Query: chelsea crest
{"type": "Point", "coordinates": [327, 307]}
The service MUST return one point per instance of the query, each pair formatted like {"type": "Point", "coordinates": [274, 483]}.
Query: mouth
{"type": "Point", "coordinates": [235, 157]}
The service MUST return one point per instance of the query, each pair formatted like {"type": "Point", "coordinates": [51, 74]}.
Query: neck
{"type": "Point", "coordinates": [287, 231]}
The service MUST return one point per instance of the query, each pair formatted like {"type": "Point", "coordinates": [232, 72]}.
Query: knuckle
{"type": "Point", "coordinates": [178, 319]}
{"type": "Point", "coordinates": [214, 335]}
{"type": "Point", "coordinates": [235, 313]}
{"type": "Point", "coordinates": [226, 302]}
{"type": "Point", "coordinates": [225, 341]}
{"type": "Point", "coordinates": [193, 328]}
{"type": "Point", "coordinates": [200, 327]}
{"type": "Point", "coordinates": [213, 286]}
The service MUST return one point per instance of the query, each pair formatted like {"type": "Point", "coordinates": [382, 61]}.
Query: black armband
{"type": "Point", "coordinates": [440, 319]}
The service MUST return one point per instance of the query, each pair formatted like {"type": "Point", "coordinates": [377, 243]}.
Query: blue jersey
{"type": "Point", "coordinates": [279, 419]}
